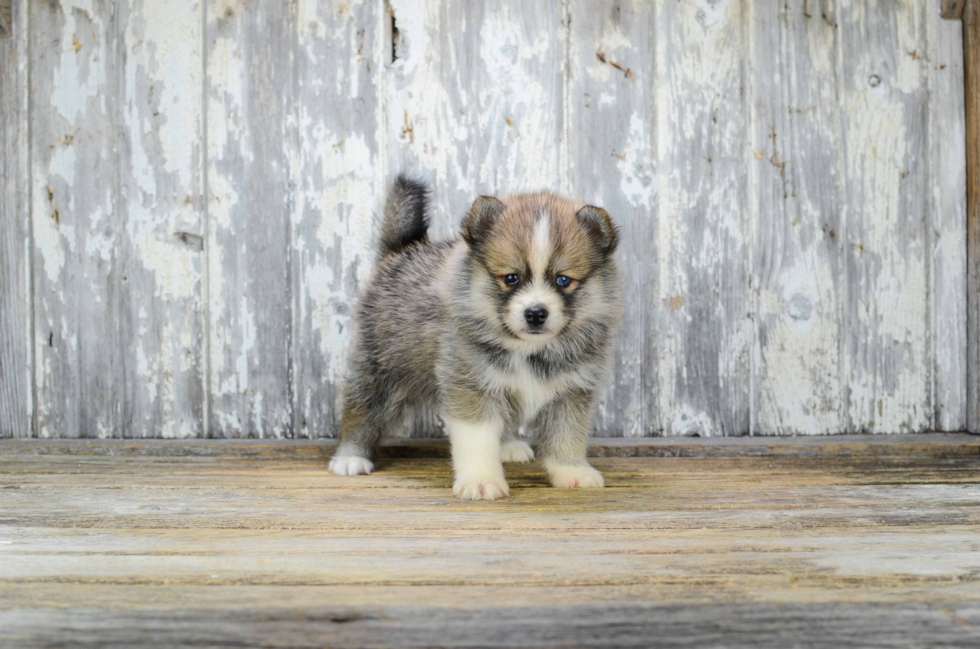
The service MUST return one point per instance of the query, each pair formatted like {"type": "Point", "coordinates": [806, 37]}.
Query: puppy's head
{"type": "Point", "coordinates": [540, 263]}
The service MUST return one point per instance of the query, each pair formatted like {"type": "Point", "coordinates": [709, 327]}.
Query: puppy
{"type": "Point", "coordinates": [511, 324]}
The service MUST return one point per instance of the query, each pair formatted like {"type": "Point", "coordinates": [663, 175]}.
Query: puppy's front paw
{"type": "Point", "coordinates": [516, 450]}
{"type": "Point", "coordinates": [575, 475]}
{"type": "Point", "coordinates": [350, 465]}
{"type": "Point", "coordinates": [481, 489]}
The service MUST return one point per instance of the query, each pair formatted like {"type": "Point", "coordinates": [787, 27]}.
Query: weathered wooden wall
{"type": "Point", "coordinates": [188, 196]}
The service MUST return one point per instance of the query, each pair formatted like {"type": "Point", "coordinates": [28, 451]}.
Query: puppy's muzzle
{"type": "Point", "coordinates": [535, 316]}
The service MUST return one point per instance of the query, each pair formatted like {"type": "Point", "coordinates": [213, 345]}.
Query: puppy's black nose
{"type": "Point", "coordinates": [536, 315]}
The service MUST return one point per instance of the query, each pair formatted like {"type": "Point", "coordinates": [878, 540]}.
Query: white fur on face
{"type": "Point", "coordinates": [538, 292]}
{"type": "Point", "coordinates": [541, 245]}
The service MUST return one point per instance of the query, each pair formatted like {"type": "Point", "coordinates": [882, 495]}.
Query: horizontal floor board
{"type": "Point", "coordinates": [766, 625]}
{"type": "Point", "coordinates": [256, 544]}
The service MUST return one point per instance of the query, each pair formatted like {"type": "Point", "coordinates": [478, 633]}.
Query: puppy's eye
{"type": "Point", "coordinates": [511, 279]}
{"type": "Point", "coordinates": [563, 281]}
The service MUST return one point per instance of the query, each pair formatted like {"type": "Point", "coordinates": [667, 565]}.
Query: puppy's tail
{"type": "Point", "coordinates": [406, 217]}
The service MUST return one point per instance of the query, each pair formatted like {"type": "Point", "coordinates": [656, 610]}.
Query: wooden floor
{"type": "Point", "coordinates": [830, 542]}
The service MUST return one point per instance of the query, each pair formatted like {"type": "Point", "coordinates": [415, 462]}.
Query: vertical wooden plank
{"type": "Point", "coordinates": [611, 117]}
{"type": "Point", "coordinates": [795, 200]}
{"type": "Point", "coordinates": [16, 390]}
{"type": "Point", "coordinates": [339, 67]}
{"type": "Point", "coordinates": [116, 196]}
{"type": "Point", "coordinates": [971, 73]}
{"type": "Point", "coordinates": [705, 331]}
{"type": "Point", "coordinates": [887, 351]}
{"type": "Point", "coordinates": [947, 209]}
{"type": "Point", "coordinates": [75, 218]}
{"type": "Point", "coordinates": [249, 111]}
{"type": "Point", "coordinates": [475, 99]}
{"type": "Point", "coordinates": [160, 240]}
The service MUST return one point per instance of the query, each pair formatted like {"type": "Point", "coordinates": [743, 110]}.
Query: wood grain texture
{"type": "Point", "coordinates": [251, 197]}
{"type": "Point", "coordinates": [339, 59]}
{"type": "Point", "coordinates": [16, 368]}
{"type": "Point", "coordinates": [886, 243]}
{"type": "Point", "coordinates": [78, 267]}
{"type": "Point", "coordinates": [611, 148]}
{"type": "Point", "coordinates": [474, 99]}
{"type": "Point", "coordinates": [702, 117]}
{"type": "Point", "coordinates": [620, 625]}
{"type": "Point", "coordinates": [159, 246]}
{"type": "Point", "coordinates": [255, 544]}
{"type": "Point", "coordinates": [971, 73]}
{"type": "Point", "coordinates": [795, 202]}
{"type": "Point", "coordinates": [947, 209]}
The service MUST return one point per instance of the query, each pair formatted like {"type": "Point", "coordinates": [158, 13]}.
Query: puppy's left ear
{"type": "Point", "coordinates": [599, 227]}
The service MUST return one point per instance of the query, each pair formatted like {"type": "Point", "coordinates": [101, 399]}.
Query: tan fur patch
{"type": "Point", "coordinates": [509, 249]}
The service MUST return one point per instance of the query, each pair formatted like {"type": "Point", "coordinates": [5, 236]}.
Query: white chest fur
{"type": "Point", "coordinates": [529, 389]}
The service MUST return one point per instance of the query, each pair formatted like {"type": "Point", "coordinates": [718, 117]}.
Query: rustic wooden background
{"type": "Point", "coordinates": [187, 195]}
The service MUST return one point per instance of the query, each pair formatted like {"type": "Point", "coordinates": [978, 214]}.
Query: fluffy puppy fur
{"type": "Point", "coordinates": [511, 324]}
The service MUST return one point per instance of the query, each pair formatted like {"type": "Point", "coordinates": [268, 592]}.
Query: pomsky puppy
{"type": "Point", "coordinates": [512, 324]}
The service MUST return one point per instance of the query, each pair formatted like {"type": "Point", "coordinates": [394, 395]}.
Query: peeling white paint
{"type": "Point", "coordinates": [81, 73]}
{"type": "Point", "coordinates": [490, 128]}
{"type": "Point", "coordinates": [636, 177]}
{"type": "Point", "coordinates": [705, 334]}
{"type": "Point", "coordinates": [174, 268]}
{"type": "Point", "coordinates": [886, 311]}
{"type": "Point", "coordinates": [48, 239]}
{"type": "Point", "coordinates": [172, 29]}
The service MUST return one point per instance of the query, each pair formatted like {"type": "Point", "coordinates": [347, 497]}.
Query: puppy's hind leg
{"type": "Point", "coordinates": [513, 449]}
{"type": "Point", "coordinates": [360, 433]}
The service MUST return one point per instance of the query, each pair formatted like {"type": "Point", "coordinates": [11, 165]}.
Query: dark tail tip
{"type": "Point", "coordinates": [406, 215]}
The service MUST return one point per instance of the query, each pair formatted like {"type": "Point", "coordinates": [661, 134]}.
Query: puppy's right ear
{"type": "Point", "coordinates": [482, 218]}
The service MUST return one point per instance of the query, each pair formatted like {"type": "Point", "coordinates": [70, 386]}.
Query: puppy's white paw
{"type": "Point", "coordinates": [483, 489]}
{"type": "Point", "coordinates": [350, 465]}
{"type": "Point", "coordinates": [575, 475]}
{"type": "Point", "coordinates": [516, 450]}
